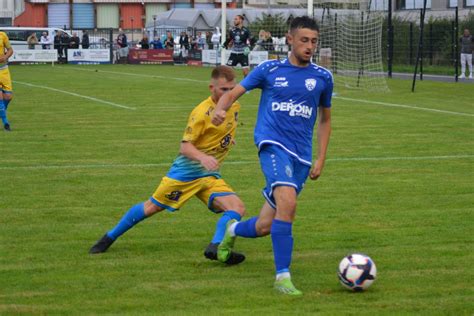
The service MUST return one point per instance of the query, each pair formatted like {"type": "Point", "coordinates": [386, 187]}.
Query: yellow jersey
{"type": "Point", "coordinates": [4, 44]}
{"type": "Point", "coordinates": [212, 140]}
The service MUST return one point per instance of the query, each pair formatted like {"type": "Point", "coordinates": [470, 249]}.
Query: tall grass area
{"type": "Point", "coordinates": [397, 185]}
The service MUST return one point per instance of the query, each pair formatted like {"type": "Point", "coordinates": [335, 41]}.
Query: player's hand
{"type": "Point", "coordinates": [317, 170]}
{"type": "Point", "coordinates": [218, 117]}
{"type": "Point", "coordinates": [209, 162]}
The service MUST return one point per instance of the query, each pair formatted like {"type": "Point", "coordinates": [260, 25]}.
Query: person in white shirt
{"type": "Point", "coordinates": [45, 41]}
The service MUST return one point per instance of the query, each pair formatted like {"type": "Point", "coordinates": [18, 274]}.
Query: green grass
{"type": "Point", "coordinates": [398, 185]}
{"type": "Point", "coordinates": [427, 69]}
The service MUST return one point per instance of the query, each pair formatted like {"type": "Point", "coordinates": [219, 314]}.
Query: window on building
{"type": "Point", "coordinates": [379, 5]}
{"type": "Point", "coordinates": [5, 22]}
{"type": "Point", "coordinates": [453, 3]}
{"type": "Point", "coordinates": [469, 3]}
{"type": "Point", "coordinates": [414, 4]}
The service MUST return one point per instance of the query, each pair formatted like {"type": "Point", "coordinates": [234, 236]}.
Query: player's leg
{"type": "Point", "coordinates": [3, 113]}
{"type": "Point", "coordinates": [245, 64]}
{"type": "Point", "coordinates": [251, 228]}
{"type": "Point", "coordinates": [469, 62]}
{"type": "Point", "coordinates": [233, 209]}
{"type": "Point", "coordinates": [170, 195]}
{"type": "Point", "coordinates": [133, 216]}
{"type": "Point", "coordinates": [7, 97]}
{"type": "Point", "coordinates": [285, 177]}
{"type": "Point", "coordinates": [463, 66]}
{"type": "Point", "coordinates": [282, 238]}
{"type": "Point", "coordinates": [219, 197]}
{"type": "Point", "coordinates": [7, 94]}
{"type": "Point", "coordinates": [257, 226]}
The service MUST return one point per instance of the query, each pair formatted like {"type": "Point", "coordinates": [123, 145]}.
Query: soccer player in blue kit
{"type": "Point", "coordinates": [293, 92]}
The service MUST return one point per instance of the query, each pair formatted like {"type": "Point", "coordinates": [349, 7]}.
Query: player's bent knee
{"type": "Point", "coordinates": [264, 226]}
{"type": "Point", "coordinates": [150, 208]}
{"type": "Point", "coordinates": [239, 208]}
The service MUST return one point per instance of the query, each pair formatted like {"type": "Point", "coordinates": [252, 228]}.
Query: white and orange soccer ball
{"type": "Point", "coordinates": [357, 272]}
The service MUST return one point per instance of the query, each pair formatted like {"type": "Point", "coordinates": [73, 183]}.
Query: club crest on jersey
{"type": "Point", "coordinates": [174, 196]}
{"type": "Point", "coordinates": [226, 141]}
{"type": "Point", "coordinates": [310, 84]}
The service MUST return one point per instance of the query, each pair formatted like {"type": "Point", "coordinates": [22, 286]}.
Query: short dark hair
{"type": "Point", "coordinates": [223, 72]}
{"type": "Point", "coordinates": [241, 17]}
{"type": "Point", "coordinates": [304, 22]}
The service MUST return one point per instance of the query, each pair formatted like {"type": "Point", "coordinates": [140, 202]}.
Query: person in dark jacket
{"type": "Point", "coordinates": [85, 40]}
{"type": "Point", "coordinates": [74, 41]}
{"type": "Point", "coordinates": [144, 43]}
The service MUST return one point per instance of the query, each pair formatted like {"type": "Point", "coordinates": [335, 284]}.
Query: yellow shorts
{"type": "Point", "coordinates": [5, 81]}
{"type": "Point", "coordinates": [171, 194]}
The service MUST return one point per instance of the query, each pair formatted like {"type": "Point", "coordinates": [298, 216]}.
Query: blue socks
{"type": "Point", "coordinates": [3, 111]}
{"type": "Point", "coordinates": [222, 225]}
{"type": "Point", "coordinates": [282, 241]}
{"type": "Point", "coordinates": [247, 228]}
{"type": "Point", "coordinates": [6, 102]}
{"type": "Point", "coordinates": [134, 215]}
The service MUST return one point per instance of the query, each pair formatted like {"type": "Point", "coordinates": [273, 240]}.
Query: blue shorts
{"type": "Point", "coordinates": [281, 169]}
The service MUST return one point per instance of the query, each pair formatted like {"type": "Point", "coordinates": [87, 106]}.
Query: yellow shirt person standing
{"type": "Point", "coordinates": [6, 89]}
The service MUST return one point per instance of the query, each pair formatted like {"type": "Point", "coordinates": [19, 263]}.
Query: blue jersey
{"type": "Point", "coordinates": [289, 104]}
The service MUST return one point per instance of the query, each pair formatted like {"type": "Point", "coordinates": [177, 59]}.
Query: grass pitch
{"type": "Point", "coordinates": [90, 141]}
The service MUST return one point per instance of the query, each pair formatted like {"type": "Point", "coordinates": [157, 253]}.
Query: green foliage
{"type": "Point", "coordinates": [275, 23]}
{"type": "Point", "coordinates": [438, 36]}
{"type": "Point", "coordinates": [397, 185]}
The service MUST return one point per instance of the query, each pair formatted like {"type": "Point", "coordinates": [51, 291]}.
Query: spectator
{"type": "Point", "coordinates": [466, 53]}
{"type": "Point", "coordinates": [156, 43]}
{"type": "Point", "coordinates": [57, 44]}
{"type": "Point", "coordinates": [32, 41]}
{"type": "Point", "coordinates": [184, 44]}
{"type": "Point", "coordinates": [259, 46]}
{"type": "Point", "coordinates": [201, 40]}
{"type": "Point", "coordinates": [122, 44]}
{"type": "Point", "coordinates": [122, 39]}
{"type": "Point", "coordinates": [268, 42]}
{"type": "Point", "coordinates": [85, 40]}
{"type": "Point", "coordinates": [65, 43]}
{"type": "Point", "coordinates": [216, 38]}
{"type": "Point", "coordinates": [144, 43]}
{"type": "Point", "coordinates": [169, 41]}
{"type": "Point", "coordinates": [45, 41]}
{"type": "Point", "coordinates": [75, 41]}
{"type": "Point", "coordinates": [209, 40]}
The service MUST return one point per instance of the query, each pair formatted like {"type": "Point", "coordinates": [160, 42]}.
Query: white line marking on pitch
{"type": "Point", "coordinates": [336, 97]}
{"type": "Point", "coordinates": [76, 95]}
{"type": "Point", "coordinates": [139, 75]}
{"type": "Point", "coordinates": [403, 106]}
{"type": "Point", "coordinates": [164, 164]}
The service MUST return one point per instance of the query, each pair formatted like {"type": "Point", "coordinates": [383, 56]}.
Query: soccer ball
{"type": "Point", "coordinates": [357, 272]}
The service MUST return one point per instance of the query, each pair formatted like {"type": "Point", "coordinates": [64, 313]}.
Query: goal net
{"type": "Point", "coordinates": [350, 42]}
{"type": "Point", "coordinates": [351, 46]}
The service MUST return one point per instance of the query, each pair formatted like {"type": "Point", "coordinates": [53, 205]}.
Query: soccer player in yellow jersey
{"type": "Point", "coordinates": [6, 89]}
{"type": "Point", "coordinates": [195, 172]}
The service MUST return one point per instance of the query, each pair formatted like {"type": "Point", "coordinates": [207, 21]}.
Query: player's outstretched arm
{"type": "Point", "coordinates": [324, 132]}
{"type": "Point", "coordinates": [190, 151]}
{"type": "Point", "coordinates": [225, 103]}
